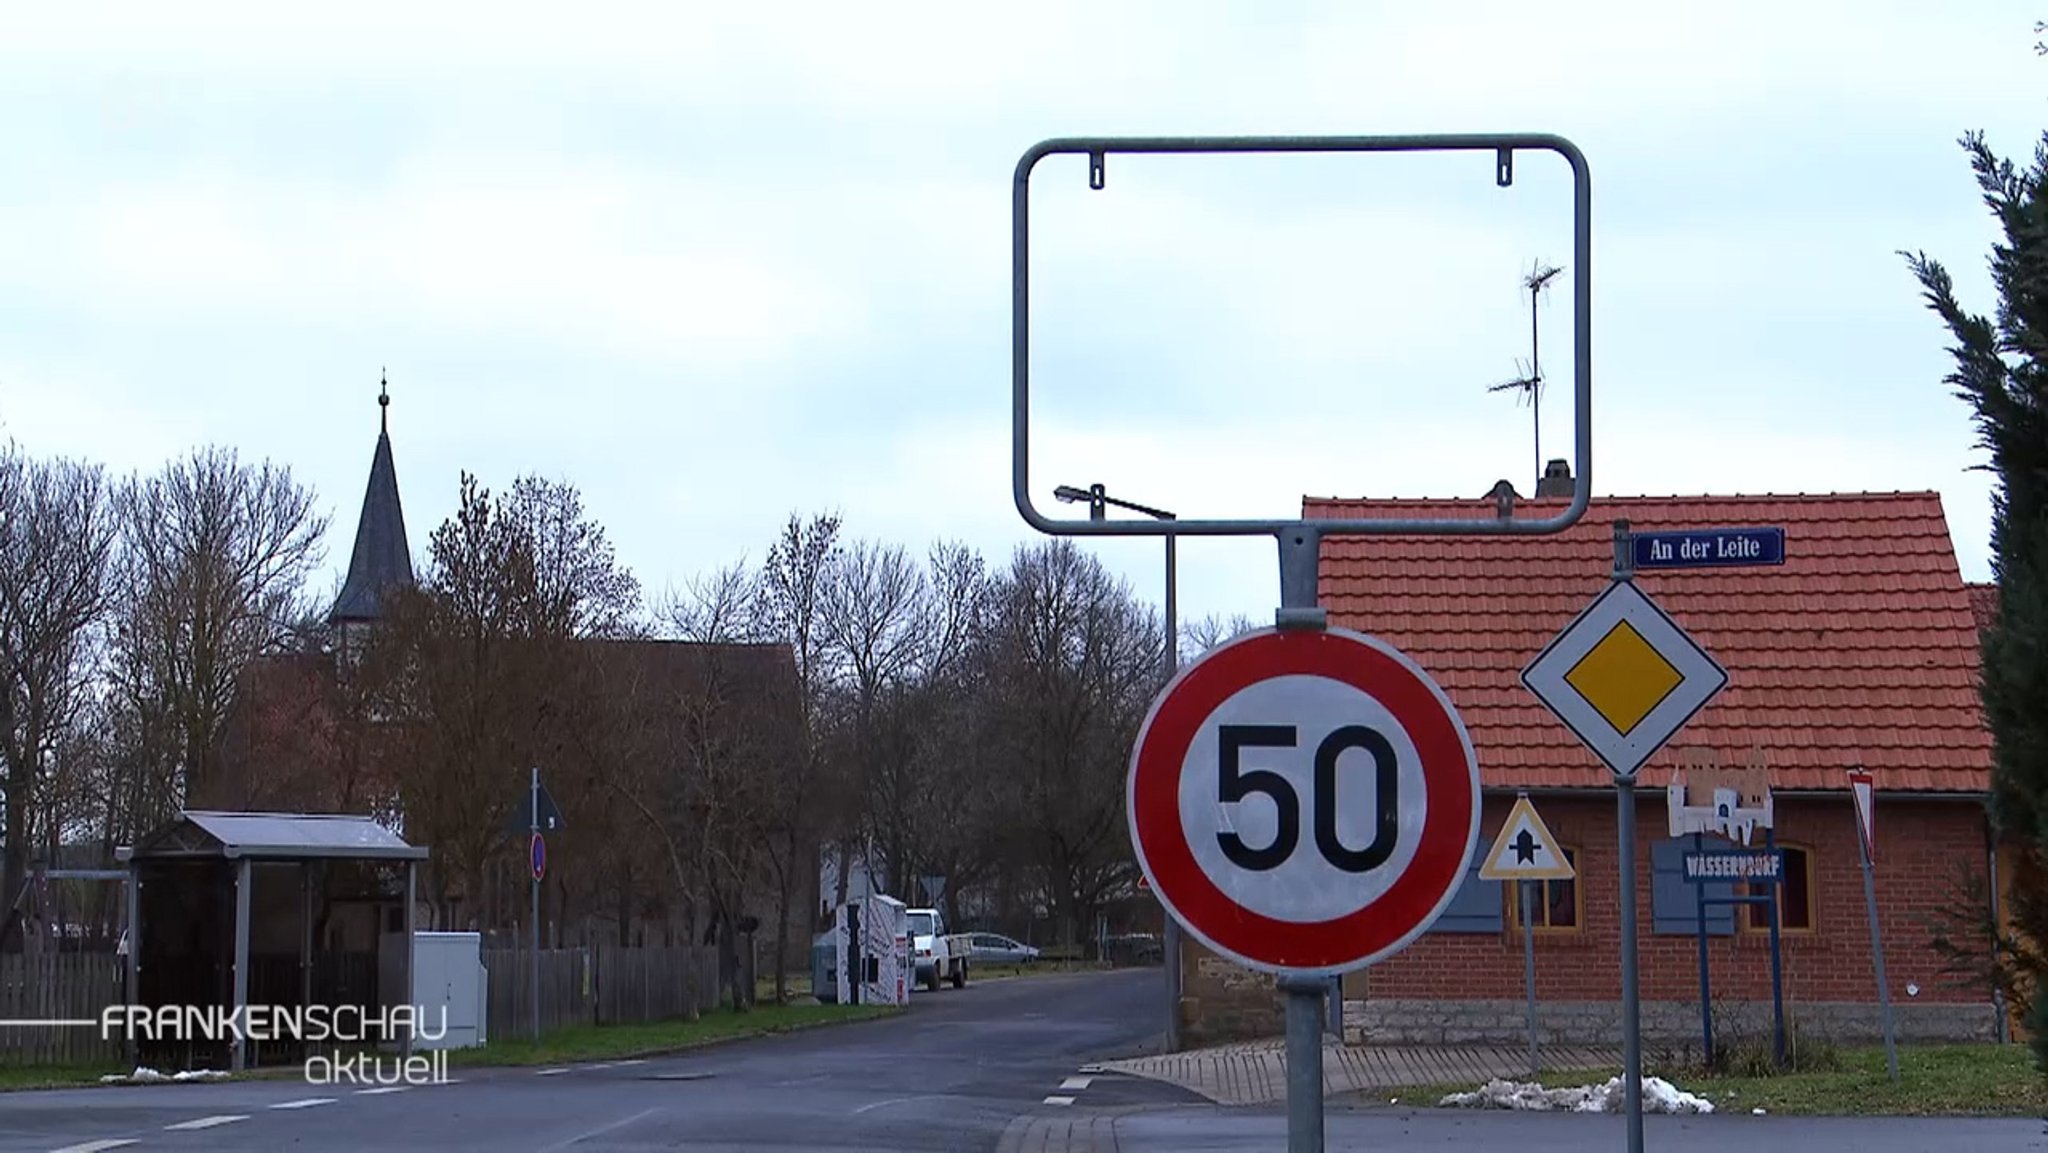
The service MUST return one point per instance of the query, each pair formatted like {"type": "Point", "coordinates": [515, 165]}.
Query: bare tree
{"type": "Point", "coordinates": [1199, 636]}
{"type": "Point", "coordinates": [793, 590]}
{"type": "Point", "coordinates": [1072, 660]}
{"type": "Point", "coordinates": [212, 570]}
{"type": "Point", "coordinates": [56, 538]}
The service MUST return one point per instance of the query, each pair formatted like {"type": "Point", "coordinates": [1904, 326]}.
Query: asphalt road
{"type": "Point", "coordinates": [950, 1074]}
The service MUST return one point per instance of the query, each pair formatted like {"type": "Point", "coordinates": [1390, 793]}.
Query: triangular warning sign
{"type": "Point", "coordinates": [1525, 850]}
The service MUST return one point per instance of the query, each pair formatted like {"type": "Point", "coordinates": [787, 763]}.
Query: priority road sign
{"type": "Point", "coordinates": [1304, 801]}
{"type": "Point", "coordinates": [1624, 677]}
{"type": "Point", "coordinates": [1525, 850]}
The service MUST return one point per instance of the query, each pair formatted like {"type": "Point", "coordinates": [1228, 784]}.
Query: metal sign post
{"type": "Point", "coordinates": [1527, 855]}
{"type": "Point", "coordinates": [1862, 787]}
{"type": "Point", "coordinates": [1624, 677]}
{"type": "Point", "coordinates": [1306, 911]}
{"type": "Point", "coordinates": [533, 974]}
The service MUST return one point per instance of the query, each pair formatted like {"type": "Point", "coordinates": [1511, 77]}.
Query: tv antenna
{"type": "Point", "coordinates": [1530, 383]}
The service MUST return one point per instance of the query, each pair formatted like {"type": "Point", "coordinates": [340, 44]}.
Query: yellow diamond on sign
{"type": "Point", "coordinates": [1623, 678]}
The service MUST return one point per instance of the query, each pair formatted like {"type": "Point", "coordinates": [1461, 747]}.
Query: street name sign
{"type": "Point", "coordinates": [1709, 548]}
{"type": "Point", "coordinates": [1735, 865]}
{"type": "Point", "coordinates": [1525, 850]}
{"type": "Point", "coordinates": [1624, 677]}
{"type": "Point", "coordinates": [1304, 801]}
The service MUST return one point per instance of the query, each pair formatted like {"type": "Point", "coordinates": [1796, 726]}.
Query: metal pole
{"type": "Point", "coordinates": [411, 958]}
{"type": "Point", "coordinates": [1171, 937]}
{"type": "Point", "coordinates": [1699, 898]}
{"type": "Point", "coordinates": [1631, 1005]}
{"type": "Point", "coordinates": [1884, 993]}
{"type": "Point", "coordinates": [1304, 1063]}
{"type": "Point", "coordinates": [1529, 889]}
{"type": "Point", "coordinates": [238, 1054]}
{"type": "Point", "coordinates": [533, 822]}
{"type": "Point", "coordinates": [1777, 960]}
{"type": "Point", "coordinates": [1625, 821]}
{"type": "Point", "coordinates": [1300, 551]}
{"type": "Point", "coordinates": [133, 1044]}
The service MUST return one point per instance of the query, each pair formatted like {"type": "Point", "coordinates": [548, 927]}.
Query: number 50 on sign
{"type": "Point", "coordinates": [1304, 801]}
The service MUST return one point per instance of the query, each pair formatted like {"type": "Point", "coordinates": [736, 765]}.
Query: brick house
{"type": "Point", "coordinates": [1861, 648]}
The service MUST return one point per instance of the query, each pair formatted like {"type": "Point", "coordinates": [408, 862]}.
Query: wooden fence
{"type": "Point", "coordinates": [61, 987]}
{"type": "Point", "coordinates": [598, 985]}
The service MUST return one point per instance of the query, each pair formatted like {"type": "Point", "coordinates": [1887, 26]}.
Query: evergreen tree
{"type": "Point", "coordinates": [2001, 371]}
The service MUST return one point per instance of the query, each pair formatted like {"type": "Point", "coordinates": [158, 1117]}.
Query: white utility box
{"type": "Point", "coordinates": [448, 977]}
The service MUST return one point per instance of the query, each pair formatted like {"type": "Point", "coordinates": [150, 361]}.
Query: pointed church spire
{"type": "Point", "coordinates": [381, 558]}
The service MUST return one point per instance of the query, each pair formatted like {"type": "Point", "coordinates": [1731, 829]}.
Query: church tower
{"type": "Point", "coordinates": [381, 558]}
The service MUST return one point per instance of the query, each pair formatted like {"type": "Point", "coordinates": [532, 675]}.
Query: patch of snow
{"type": "Point", "coordinates": [144, 1075]}
{"type": "Point", "coordinates": [1659, 1096]}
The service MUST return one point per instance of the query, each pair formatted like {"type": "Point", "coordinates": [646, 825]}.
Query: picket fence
{"type": "Point", "coordinates": [61, 987]}
{"type": "Point", "coordinates": [597, 985]}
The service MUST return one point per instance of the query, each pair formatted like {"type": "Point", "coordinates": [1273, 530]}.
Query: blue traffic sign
{"type": "Point", "coordinates": [1709, 548]}
{"type": "Point", "coordinates": [539, 855]}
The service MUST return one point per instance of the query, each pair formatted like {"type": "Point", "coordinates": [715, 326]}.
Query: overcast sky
{"type": "Point", "coordinates": [715, 263]}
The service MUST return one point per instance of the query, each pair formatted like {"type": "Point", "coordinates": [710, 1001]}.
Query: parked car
{"type": "Point", "coordinates": [994, 948]}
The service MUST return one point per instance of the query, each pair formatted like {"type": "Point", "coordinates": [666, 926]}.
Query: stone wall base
{"type": "Point", "coordinates": [1668, 1023]}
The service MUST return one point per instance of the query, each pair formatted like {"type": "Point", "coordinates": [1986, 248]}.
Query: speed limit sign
{"type": "Point", "coordinates": [1304, 801]}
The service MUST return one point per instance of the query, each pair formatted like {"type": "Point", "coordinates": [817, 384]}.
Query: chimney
{"type": "Point", "coordinates": [1556, 481]}
{"type": "Point", "coordinates": [1503, 496]}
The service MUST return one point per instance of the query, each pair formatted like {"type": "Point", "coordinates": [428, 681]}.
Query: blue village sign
{"type": "Point", "coordinates": [1755, 865]}
{"type": "Point", "coordinates": [1709, 548]}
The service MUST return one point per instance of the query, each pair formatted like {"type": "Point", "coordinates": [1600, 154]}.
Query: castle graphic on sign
{"type": "Point", "coordinates": [1728, 802]}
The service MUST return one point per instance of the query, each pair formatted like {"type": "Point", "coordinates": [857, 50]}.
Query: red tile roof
{"type": "Point", "coordinates": [1984, 604]}
{"type": "Point", "coordinates": [1860, 646]}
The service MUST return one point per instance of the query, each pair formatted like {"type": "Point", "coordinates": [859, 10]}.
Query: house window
{"type": "Point", "coordinates": [1557, 908]}
{"type": "Point", "coordinates": [1795, 896]}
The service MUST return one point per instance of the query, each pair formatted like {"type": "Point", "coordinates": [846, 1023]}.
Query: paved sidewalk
{"type": "Point", "coordinates": [1255, 1072]}
{"type": "Point", "coordinates": [1212, 1129]}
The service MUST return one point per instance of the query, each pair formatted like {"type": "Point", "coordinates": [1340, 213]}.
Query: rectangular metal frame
{"type": "Point", "coordinates": [1502, 145]}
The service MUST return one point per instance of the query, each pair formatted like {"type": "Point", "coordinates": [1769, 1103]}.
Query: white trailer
{"type": "Point", "coordinates": [872, 936]}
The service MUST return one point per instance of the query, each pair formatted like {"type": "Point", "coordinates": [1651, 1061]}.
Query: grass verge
{"type": "Point", "coordinates": [617, 1042]}
{"type": "Point", "coordinates": [1934, 1081]}
{"type": "Point", "coordinates": [15, 1077]}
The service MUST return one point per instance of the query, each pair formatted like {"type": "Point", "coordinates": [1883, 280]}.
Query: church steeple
{"type": "Point", "coordinates": [381, 558]}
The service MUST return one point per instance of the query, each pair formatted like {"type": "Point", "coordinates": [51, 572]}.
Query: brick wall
{"type": "Point", "coordinates": [1671, 1024]}
{"type": "Point", "coordinates": [1222, 1000]}
{"type": "Point", "coordinates": [1920, 844]}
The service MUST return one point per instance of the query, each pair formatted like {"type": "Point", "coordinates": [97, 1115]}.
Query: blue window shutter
{"type": "Point", "coordinates": [1476, 908]}
{"type": "Point", "coordinates": [1673, 905]}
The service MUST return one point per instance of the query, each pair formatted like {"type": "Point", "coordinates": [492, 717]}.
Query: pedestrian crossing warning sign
{"type": "Point", "coordinates": [1525, 850]}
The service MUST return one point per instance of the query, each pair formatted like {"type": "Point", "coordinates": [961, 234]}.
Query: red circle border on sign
{"type": "Point", "coordinates": [1450, 775]}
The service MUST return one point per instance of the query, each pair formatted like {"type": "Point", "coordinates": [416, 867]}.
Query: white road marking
{"type": "Point", "coordinates": [1059, 1100]}
{"type": "Point", "coordinates": [1091, 1069]}
{"type": "Point", "coordinates": [1076, 1082]}
{"type": "Point", "coordinates": [601, 1131]}
{"type": "Point", "coordinates": [96, 1146]}
{"type": "Point", "coordinates": [382, 1089]}
{"type": "Point", "coordinates": [209, 1122]}
{"type": "Point", "coordinates": [617, 1064]}
{"type": "Point", "coordinates": [307, 1103]}
{"type": "Point", "coordinates": [555, 1072]}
